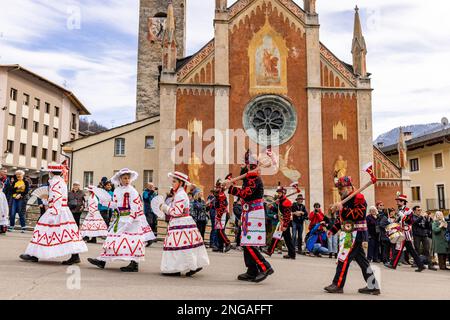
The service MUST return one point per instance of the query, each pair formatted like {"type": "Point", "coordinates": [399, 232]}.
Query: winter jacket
{"type": "Point", "coordinates": [440, 244]}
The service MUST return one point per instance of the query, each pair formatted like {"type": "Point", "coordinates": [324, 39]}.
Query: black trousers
{"type": "Point", "coordinates": [201, 226]}
{"type": "Point", "coordinates": [287, 240]}
{"type": "Point", "coordinates": [385, 251]}
{"type": "Point", "coordinates": [254, 261]}
{"type": "Point", "coordinates": [222, 238]}
{"type": "Point", "coordinates": [422, 246]}
{"type": "Point", "coordinates": [357, 253]}
{"type": "Point", "coordinates": [106, 217]}
{"type": "Point", "coordinates": [77, 217]}
{"type": "Point", "coordinates": [409, 249]}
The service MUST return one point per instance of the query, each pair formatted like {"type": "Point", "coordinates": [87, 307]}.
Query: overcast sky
{"type": "Point", "coordinates": [95, 56]}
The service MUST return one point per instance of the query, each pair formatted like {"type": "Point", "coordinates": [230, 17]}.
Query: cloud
{"type": "Point", "coordinates": [406, 42]}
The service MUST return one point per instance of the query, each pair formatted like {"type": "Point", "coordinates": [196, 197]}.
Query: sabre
{"type": "Point", "coordinates": [368, 168]}
{"type": "Point", "coordinates": [264, 162]}
{"type": "Point", "coordinates": [292, 185]}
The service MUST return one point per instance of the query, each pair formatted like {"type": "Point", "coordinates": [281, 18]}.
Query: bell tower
{"type": "Point", "coordinates": [152, 25]}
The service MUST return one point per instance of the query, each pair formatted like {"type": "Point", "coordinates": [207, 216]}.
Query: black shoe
{"type": "Point", "coordinates": [75, 259]}
{"type": "Point", "coordinates": [149, 243]}
{"type": "Point", "coordinates": [176, 274]}
{"type": "Point", "coordinates": [227, 248]}
{"type": "Point", "coordinates": [333, 289]}
{"type": "Point", "coordinates": [246, 277]}
{"type": "Point", "coordinates": [93, 240]}
{"type": "Point", "coordinates": [420, 269]}
{"type": "Point", "coordinates": [330, 256]}
{"type": "Point", "coordinates": [85, 238]}
{"type": "Point", "coordinates": [215, 249]}
{"type": "Point", "coordinates": [132, 267]}
{"type": "Point", "coordinates": [266, 252]}
{"type": "Point", "coordinates": [260, 277]}
{"type": "Point", "coordinates": [288, 257]}
{"type": "Point", "coordinates": [192, 272]}
{"type": "Point", "coordinates": [366, 290]}
{"type": "Point", "coordinates": [28, 258]}
{"type": "Point", "coordinates": [97, 263]}
{"type": "Point", "coordinates": [270, 271]}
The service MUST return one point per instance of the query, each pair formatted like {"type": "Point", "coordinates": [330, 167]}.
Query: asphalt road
{"type": "Point", "coordinates": [303, 278]}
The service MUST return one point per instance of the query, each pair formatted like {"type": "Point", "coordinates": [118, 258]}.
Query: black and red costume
{"type": "Point", "coordinates": [221, 207]}
{"type": "Point", "coordinates": [284, 206]}
{"type": "Point", "coordinates": [253, 233]}
{"type": "Point", "coordinates": [352, 222]}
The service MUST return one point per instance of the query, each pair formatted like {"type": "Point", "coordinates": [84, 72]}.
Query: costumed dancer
{"type": "Point", "coordinates": [354, 236]}
{"type": "Point", "coordinates": [4, 210]}
{"type": "Point", "coordinates": [253, 235]}
{"type": "Point", "coordinates": [56, 233]}
{"type": "Point", "coordinates": [221, 206]}
{"type": "Point", "coordinates": [406, 222]}
{"type": "Point", "coordinates": [284, 207]}
{"type": "Point", "coordinates": [184, 250]}
{"type": "Point", "coordinates": [129, 231]}
{"type": "Point", "coordinates": [93, 225]}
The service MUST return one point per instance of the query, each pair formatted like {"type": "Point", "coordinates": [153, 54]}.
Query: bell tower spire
{"type": "Point", "coordinates": [169, 42]}
{"type": "Point", "coordinates": [359, 48]}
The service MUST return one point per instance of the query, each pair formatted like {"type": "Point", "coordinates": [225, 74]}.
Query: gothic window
{"type": "Point", "coordinates": [270, 120]}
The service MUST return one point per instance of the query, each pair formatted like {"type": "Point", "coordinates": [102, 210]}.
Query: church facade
{"type": "Point", "coordinates": [266, 69]}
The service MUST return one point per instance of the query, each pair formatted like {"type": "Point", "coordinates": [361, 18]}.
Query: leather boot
{"type": "Point", "coordinates": [74, 259]}
{"type": "Point", "coordinates": [132, 267]}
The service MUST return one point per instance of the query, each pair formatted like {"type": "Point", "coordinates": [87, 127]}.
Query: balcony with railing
{"type": "Point", "coordinates": [438, 204]}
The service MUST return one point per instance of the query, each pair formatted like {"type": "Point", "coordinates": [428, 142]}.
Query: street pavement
{"type": "Point", "coordinates": [303, 278]}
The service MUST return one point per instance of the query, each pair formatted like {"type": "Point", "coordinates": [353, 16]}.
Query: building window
{"type": "Point", "coordinates": [35, 126]}
{"type": "Point", "coordinates": [88, 178]}
{"type": "Point", "coordinates": [37, 103]}
{"type": "Point", "coordinates": [414, 165]}
{"type": "Point", "coordinates": [150, 142]}
{"type": "Point", "coordinates": [438, 161]}
{"type": "Point", "coordinates": [23, 149]}
{"type": "Point", "coordinates": [119, 147]}
{"type": "Point", "coordinates": [26, 99]}
{"type": "Point", "coordinates": [416, 194]}
{"type": "Point", "coordinates": [10, 146]}
{"type": "Point", "coordinates": [441, 196]}
{"type": "Point", "coordinates": [44, 154]}
{"type": "Point", "coordinates": [24, 123]}
{"type": "Point", "coordinates": [148, 176]}
{"type": "Point", "coordinates": [34, 152]}
{"type": "Point", "coordinates": [13, 94]}
{"type": "Point", "coordinates": [45, 130]}
{"type": "Point", "coordinates": [74, 121]}
{"type": "Point", "coordinates": [47, 107]}
{"type": "Point", "coordinates": [54, 156]}
{"type": "Point", "coordinates": [12, 119]}
{"type": "Point", "coordinates": [55, 133]}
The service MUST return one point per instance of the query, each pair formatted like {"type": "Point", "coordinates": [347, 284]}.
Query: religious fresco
{"type": "Point", "coordinates": [268, 62]}
{"type": "Point", "coordinates": [288, 169]}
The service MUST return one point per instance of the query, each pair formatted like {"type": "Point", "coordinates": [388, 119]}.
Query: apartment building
{"type": "Point", "coordinates": [428, 166]}
{"type": "Point", "coordinates": [36, 117]}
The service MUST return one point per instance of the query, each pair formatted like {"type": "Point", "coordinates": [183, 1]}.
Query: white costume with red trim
{"type": "Point", "coordinates": [56, 233]}
{"type": "Point", "coordinates": [184, 249]}
{"type": "Point", "coordinates": [4, 209]}
{"type": "Point", "coordinates": [93, 224]}
{"type": "Point", "coordinates": [129, 231]}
